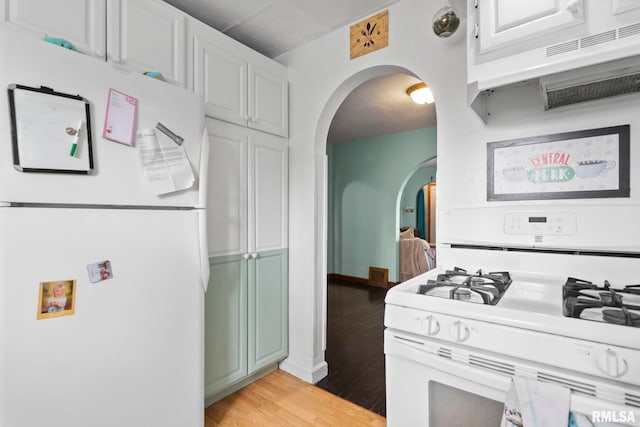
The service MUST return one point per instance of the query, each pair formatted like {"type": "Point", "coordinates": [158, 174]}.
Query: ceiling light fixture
{"type": "Point", "coordinates": [420, 93]}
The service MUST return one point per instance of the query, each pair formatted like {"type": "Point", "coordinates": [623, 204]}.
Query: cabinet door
{"type": "Point", "coordinates": [225, 324]}
{"type": "Point", "coordinates": [268, 101]}
{"type": "Point", "coordinates": [81, 22]}
{"type": "Point", "coordinates": [507, 22]}
{"type": "Point", "coordinates": [227, 189]}
{"type": "Point", "coordinates": [268, 192]}
{"type": "Point", "coordinates": [220, 77]}
{"type": "Point", "coordinates": [148, 35]}
{"type": "Point", "coordinates": [268, 312]}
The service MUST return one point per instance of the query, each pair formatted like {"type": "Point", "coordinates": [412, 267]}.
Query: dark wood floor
{"type": "Point", "coordinates": [355, 344]}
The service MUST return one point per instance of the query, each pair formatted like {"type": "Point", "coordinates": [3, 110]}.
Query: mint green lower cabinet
{"type": "Point", "coordinates": [246, 318]}
{"type": "Point", "coordinates": [225, 323]}
{"type": "Point", "coordinates": [268, 311]}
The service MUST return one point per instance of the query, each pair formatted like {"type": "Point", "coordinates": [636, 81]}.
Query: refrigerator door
{"type": "Point", "coordinates": [117, 178]}
{"type": "Point", "coordinates": [130, 351]}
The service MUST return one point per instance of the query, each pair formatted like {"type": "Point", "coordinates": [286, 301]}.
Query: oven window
{"type": "Point", "coordinates": [451, 407]}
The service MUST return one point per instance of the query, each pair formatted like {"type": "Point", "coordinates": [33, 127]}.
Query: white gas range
{"type": "Point", "coordinates": [455, 339]}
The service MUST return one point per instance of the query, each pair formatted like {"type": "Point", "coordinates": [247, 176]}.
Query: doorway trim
{"type": "Point", "coordinates": [334, 101]}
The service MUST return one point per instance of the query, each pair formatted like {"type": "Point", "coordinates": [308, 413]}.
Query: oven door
{"type": "Point", "coordinates": [432, 384]}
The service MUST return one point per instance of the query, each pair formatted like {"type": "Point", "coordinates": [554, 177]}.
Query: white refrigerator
{"type": "Point", "coordinates": [125, 349]}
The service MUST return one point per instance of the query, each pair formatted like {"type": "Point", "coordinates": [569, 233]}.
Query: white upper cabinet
{"type": "Point", "coordinates": [268, 100]}
{"type": "Point", "coordinates": [238, 85]}
{"type": "Point", "coordinates": [247, 190]}
{"type": "Point", "coordinates": [147, 35]}
{"type": "Point", "coordinates": [511, 41]}
{"type": "Point", "coordinates": [506, 22]}
{"type": "Point", "coordinates": [81, 22]}
{"type": "Point", "coordinates": [138, 35]}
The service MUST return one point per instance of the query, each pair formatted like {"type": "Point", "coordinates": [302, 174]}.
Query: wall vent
{"type": "Point", "coordinates": [596, 82]}
{"type": "Point", "coordinates": [596, 39]}
{"type": "Point", "coordinates": [629, 30]}
{"type": "Point", "coordinates": [562, 48]}
{"type": "Point", "coordinates": [379, 277]}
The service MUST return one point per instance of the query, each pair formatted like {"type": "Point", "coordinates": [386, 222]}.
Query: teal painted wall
{"type": "Point", "coordinates": [419, 179]}
{"type": "Point", "coordinates": [365, 180]}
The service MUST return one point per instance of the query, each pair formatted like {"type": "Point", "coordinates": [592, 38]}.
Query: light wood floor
{"type": "Point", "coordinates": [280, 399]}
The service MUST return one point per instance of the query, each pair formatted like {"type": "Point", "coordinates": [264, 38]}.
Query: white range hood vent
{"type": "Point", "coordinates": [592, 83]}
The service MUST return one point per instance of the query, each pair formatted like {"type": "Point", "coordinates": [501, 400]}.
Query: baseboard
{"type": "Point", "coordinates": [312, 376]}
{"type": "Point", "coordinates": [354, 279]}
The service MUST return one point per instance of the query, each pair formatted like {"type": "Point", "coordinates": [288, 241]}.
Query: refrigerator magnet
{"type": "Point", "coordinates": [56, 299]}
{"type": "Point", "coordinates": [100, 271]}
{"type": "Point", "coordinates": [119, 123]}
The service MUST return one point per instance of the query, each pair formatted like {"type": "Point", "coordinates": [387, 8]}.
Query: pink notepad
{"type": "Point", "coordinates": [119, 123]}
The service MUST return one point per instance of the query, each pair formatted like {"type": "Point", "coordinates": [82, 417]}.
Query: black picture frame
{"type": "Point", "coordinates": [53, 164]}
{"type": "Point", "coordinates": [592, 163]}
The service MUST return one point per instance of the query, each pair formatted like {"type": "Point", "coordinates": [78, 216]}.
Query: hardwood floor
{"type": "Point", "coordinates": [280, 399]}
{"type": "Point", "coordinates": [355, 344]}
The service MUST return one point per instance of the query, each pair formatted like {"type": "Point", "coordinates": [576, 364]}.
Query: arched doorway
{"type": "Point", "coordinates": [322, 202]}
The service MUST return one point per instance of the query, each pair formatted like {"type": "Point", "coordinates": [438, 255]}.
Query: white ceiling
{"type": "Point", "coordinates": [273, 27]}
{"type": "Point", "coordinates": [378, 107]}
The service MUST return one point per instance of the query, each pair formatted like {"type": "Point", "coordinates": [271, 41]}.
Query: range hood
{"type": "Point", "coordinates": [587, 84]}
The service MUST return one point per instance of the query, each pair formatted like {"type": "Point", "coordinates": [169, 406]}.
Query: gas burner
{"type": "Point", "coordinates": [585, 300]}
{"type": "Point", "coordinates": [481, 288]}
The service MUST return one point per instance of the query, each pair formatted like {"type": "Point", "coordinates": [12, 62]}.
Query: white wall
{"type": "Point", "coordinates": [321, 75]}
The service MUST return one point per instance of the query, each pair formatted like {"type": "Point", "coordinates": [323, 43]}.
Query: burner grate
{"type": "Point", "coordinates": [458, 284]}
{"type": "Point", "coordinates": [586, 300]}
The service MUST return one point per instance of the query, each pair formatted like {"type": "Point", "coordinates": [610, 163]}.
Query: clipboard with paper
{"type": "Point", "coordinates": [50, 131]}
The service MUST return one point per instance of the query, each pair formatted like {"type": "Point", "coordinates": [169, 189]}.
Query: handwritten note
{"type": "Point", "coordinates": [119, 123]}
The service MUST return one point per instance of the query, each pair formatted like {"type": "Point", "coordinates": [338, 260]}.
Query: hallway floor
{"type": "Point", "coordinates": [355, 344]}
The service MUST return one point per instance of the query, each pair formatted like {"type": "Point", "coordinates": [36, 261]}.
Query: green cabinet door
{"type": "Point", "coordinates": [225, 323]}
{"type": "Point", "coordinates": [268, 310]}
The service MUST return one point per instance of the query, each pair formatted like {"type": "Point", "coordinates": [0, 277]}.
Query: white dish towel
{"type": "Point", "coordinates": [532, 403]}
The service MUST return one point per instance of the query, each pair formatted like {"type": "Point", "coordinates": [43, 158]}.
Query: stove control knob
{"type": "Point", "coordinates": [459, 331]}
{"type": "Point", "coordinates": [610, 363]}
{"type": "Point", "coordinates": [430, 325]}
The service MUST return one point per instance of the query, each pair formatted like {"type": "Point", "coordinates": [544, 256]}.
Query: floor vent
{"type": "Point", "coordinates": [576, 386]}
{"type": "Point", "coordinates": [492, 365]}
{"type": "Point", "coordinates": [632, 399]}
{"type": "Point", "coordinates": [379, 277]}
{"type": "Point", "coordinates": [629, 30]}
{"type": "Point", "coordinates": [596, 39]}
{"type": "Point", "coordinates": [562, 48]}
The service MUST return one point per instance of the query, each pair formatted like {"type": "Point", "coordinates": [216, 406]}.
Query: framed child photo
{"type": "Point", "coordinates": [56, 299]}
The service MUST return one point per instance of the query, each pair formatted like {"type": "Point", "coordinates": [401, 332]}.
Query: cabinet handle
{"type": "Point", "coordinates": [475, 31]}
{"type": "Point", "coordinates": [246, 256]}
{"type": "Point", "coordinates": [254, 255]}
{"type": "Point", "coordinates": [475, 4]}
